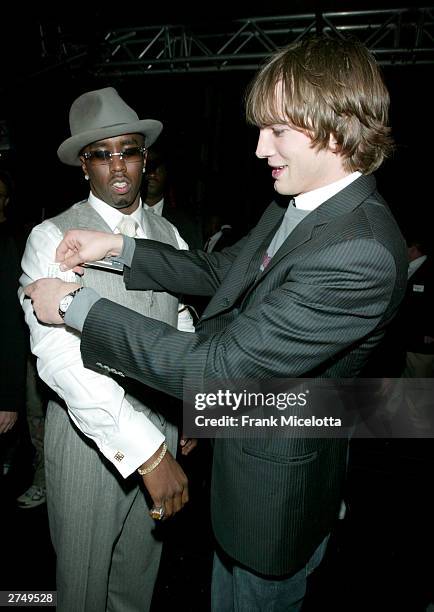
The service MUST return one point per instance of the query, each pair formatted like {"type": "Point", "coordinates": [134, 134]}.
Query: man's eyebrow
{"type": "Point", "coordinates": [136, 141]}
{"type": "Point", "coordinates": [99, 143]}
{"type": "Point", "coordinates": [123, 142]}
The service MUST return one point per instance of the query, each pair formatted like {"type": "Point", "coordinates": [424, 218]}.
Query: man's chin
{"type": "Point", "coordinates": [280, 189]}
{"type": "Point", "coordinates": [120, 204]}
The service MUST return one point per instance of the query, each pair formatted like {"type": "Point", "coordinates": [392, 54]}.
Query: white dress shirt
{"type": "Point", "coordinates": [415, 264]}
{"type": "Point", "coordinates": [157, 209]}
{"type": "Point", "coordinates": [312, 199]}
{"type": "Point", "coordinates": [96, 403]}
{"type": "Point", "coordinates": [299, 207]}
{"type": "Point", "coordinates": [212, 240]}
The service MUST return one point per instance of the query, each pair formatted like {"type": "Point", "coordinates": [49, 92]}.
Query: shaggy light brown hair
{"type": "Point", "coordinates": [328, 87]}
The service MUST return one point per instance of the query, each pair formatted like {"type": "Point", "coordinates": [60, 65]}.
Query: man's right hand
{"type": "Point", "coordinates": [80, 246]}
{"type": "Point", "coordinates": [167, 484]}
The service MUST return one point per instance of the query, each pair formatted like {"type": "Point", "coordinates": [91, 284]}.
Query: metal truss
{"type": "Point", "coordinates": [403, 36]}
{"type": "Point", "coordinates": [395, 36]}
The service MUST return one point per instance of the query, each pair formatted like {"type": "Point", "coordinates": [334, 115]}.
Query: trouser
{"type": "Point", "coordinates": [236, 589]}
{"type": "Point", "coordinates": [35, 408]}
{"type": "Point", "coordinates": [107, 552]}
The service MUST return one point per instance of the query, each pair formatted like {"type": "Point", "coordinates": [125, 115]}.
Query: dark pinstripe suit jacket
{"type": "Point", "coordinates": [318, 309]}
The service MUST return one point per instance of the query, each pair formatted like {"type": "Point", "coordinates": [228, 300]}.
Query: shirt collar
{"type": "Point", "coordinates": [111, 215]}
{"type": "Point", "coordinates": [312, 199]}
{"type": "Point", "coordinates": [157, 209]}
{"type": "Point", "coordinates": [415, 264]}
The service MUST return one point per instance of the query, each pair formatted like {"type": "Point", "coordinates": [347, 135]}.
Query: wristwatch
{"type": "Point", "coordinates": [65, 302]}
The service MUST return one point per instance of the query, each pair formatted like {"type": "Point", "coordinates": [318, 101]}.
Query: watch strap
{"type": "Point", "coordinates": [72, 294]}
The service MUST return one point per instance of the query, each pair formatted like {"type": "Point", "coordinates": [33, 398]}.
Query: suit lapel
{"type": "Point", "coordinates": [246, 266]}
{"type": "Point", "coordinates": [245, 272]}
{"type": "Point", "coordinates": [301, 234]}
{"type": "Point", "coordinates": [343, 202]}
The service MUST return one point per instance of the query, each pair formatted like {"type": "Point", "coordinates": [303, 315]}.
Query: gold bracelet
{"type": "Point", "coordinates": [156, 463]}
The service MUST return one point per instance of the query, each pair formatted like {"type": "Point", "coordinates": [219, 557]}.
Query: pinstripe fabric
{"type": "Point", "coordinates": [160, 306]}
{"type": "Point", "coordinates": [318, 310]}
{"type": "Point", "coordinates": [107, 555]}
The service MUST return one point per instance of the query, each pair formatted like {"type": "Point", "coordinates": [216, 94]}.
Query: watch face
{"type": "Point", "coordinates": [65, 302]}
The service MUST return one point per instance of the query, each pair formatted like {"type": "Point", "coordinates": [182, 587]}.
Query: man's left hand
{"type": "Point", "coordinates": [187, 444]}
{"type": "Point", "coordinates": [7, 420]}
{"type": "Point", "coordinates": [46, 294]}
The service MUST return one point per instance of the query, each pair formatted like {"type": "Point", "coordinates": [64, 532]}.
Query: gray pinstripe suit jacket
{"type": "Point", "coordinates": [318, 309]}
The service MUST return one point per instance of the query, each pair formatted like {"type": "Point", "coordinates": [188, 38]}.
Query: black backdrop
{"type": "Point", "coordinates": [211, 147]}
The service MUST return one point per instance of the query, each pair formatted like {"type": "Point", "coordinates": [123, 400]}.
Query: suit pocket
{"type": "Point", "coordinates": [285, 459]}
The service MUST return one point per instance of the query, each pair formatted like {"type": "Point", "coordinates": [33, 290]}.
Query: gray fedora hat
{"type": "Point", "coordinates": [102, 114]}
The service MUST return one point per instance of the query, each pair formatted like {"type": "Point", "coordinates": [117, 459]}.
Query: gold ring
{"type": "Point", "coordinates": [157, 513]}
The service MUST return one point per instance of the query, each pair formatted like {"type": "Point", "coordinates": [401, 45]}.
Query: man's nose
{"type": "Point", "coordinates": [117, 162]}
{"type": "Point", "coordinates": [264, 147]}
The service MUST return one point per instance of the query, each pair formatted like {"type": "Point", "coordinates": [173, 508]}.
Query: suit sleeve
{"type": "Point", "coordinates": [161, 267]}
{"type": "Point", "coordinates": [323, 306]}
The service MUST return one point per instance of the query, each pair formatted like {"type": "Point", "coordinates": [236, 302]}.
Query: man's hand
{"type": "Point", "coordinates": [46, 294]}
{"type": "Point", "coordinates": [167, 485]}
{"type": "Point", "coordinates": [80, 246]}
{"type": "Point", "coordinates": [187, 444]}
{"type": "Point", "coordinates": [7, 420]}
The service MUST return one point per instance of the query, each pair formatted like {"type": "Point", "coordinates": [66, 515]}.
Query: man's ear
{"type": "Point", "coordinates": [333, 145]}
{"type": "Point", "coordinates": [145, 157]}
{"type": "Point", "coordinates": [83, 167]}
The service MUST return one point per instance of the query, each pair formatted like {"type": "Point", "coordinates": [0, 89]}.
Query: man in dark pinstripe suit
{"type": "Point", "coordinates": [308, 293]}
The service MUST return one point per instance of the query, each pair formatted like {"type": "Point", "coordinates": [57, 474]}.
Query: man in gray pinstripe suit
{"type": "Point", "coordinates": [100, 429]}
{"type": "Point", "coordinates": [308, 293]}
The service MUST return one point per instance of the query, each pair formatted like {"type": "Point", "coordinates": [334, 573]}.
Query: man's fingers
{"type": "Point", "coordinates": [31, 290]}
{"type": "Point", "coordinates": [79, 246]}
{"type": "Point", "coordinates": [45, 295]}
{"type": "Point", "coordinates": [178, 502]}
{"type": "Point", "coordinates": [71, 262]}
{"type": "Point", "coordinates": [66, 249]}
{"type": "Point", "coordinates": [62, 251]}
{"type": "Point", "coordinates": [174, 504]}
{"type": "Point", "coordinates": [68, 258]}
{"type": "Point", "coordinates": [189, 445]}
{"type": "Point", "coordinates": [7, 421]}
{"type": "Point", "coordinates": [167, 485]}
{"type": "Point", "coordinates": [168, 508]}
